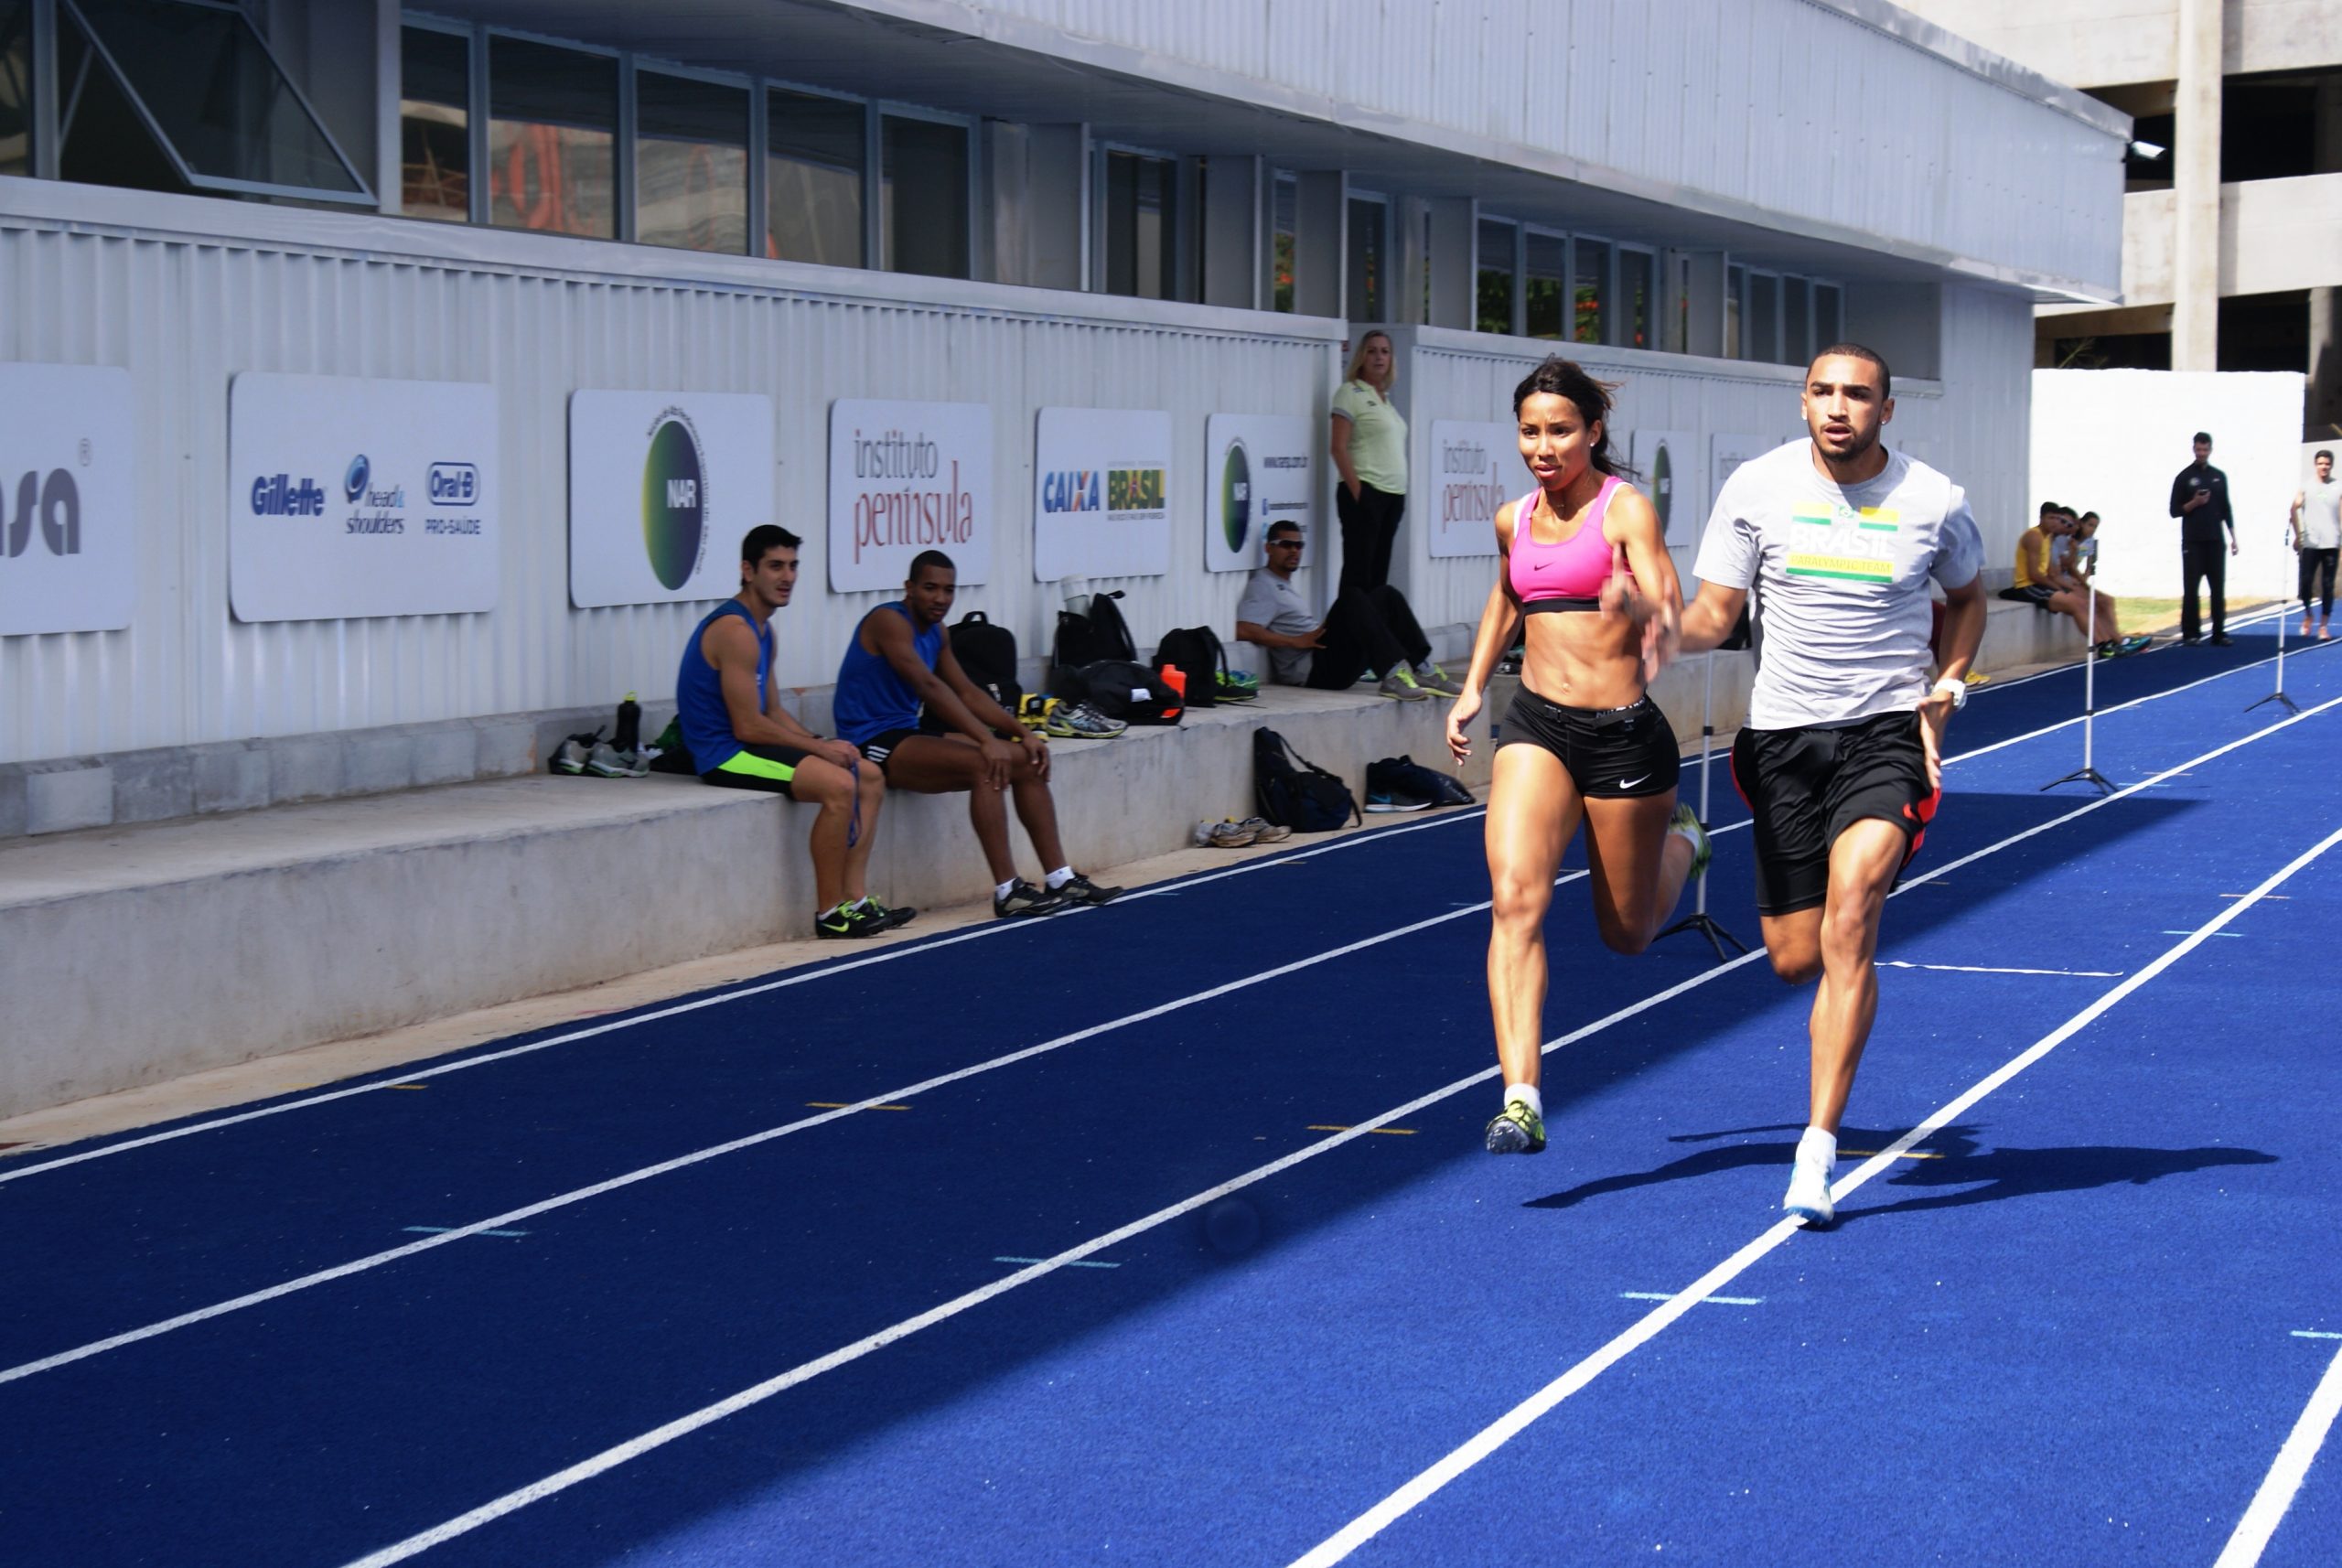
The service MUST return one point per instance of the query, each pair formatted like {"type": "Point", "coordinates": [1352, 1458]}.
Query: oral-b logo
{"type": "Point", "coordinates": [354, 477]}
{"type": "Point", "coordinates": [454, 484]}
{"type": "Point", "coordinates": [279, 495]}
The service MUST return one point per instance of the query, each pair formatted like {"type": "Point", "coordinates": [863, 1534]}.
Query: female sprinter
{"type": "Point", "coordinates": [1582, 559]}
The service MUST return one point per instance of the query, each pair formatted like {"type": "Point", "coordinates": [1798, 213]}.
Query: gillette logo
{"type": "Point", "coordinates": [279, 496]}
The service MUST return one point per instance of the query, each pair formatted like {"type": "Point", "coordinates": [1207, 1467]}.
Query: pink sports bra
{"type": "Point", "coordinates": [1565, 576]}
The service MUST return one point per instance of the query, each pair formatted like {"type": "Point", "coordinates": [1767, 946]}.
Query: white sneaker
{"type": "Point", "coordinates": [1809, 1197]}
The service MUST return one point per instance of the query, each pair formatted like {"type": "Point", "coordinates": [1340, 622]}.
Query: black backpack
{"type": "Point", "coordinates": [1306, 799]}
{"type": "Point", "coordinates": [1405, 776]}
{"type": "Point", "coordinates": [988, 654]}
{"type": "Point", "coordinates": [1119, 688]}
{"type": "Point", "coordinates": [1195, 652]}
{"type": "Point", "coordinates": [1098, 634]}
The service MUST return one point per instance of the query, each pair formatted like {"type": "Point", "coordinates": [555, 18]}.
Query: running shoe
{"type": "Point", "coordinates": [1079, 721]}
{"type": "Point", "coordinates": [2132, 645]}
{"type": "Point", "coordinates": [1809, 1195]}
{"type": "Point", "coordinates": [1033, 710]}
{"type": "Point", "coordinates": [1079, 889]}
{"type": "Point", "coordinates": [1023, 898]}
{"type": "Point", "coordinates": [1400, 686]}
{"type": "Point", "coordinates": [2223, 641]}
{"type": "Point", "coordinates": [1516, 1130]}
{"type": "Point", "coordinates": [1222, 835]}
{"type": "Point", "coordinates": [1432, 678]}
{"type": "Point", "coordinates": [1977, 678]}
{"type": "Point", "coordinates": [1237, 686]}
{"type": "Point", "coordinates": [607, 761]}
{"type": "Point", "coordinates": [1686, 822]}
{"type": "Point", "coordinates": [848, 922]}
{"type": "Point", "coordinates": [1265, 831]}
{"type": "Point", "coordinates": [570, 756]}
{"type": "Point", "coordinates": [889, 917]}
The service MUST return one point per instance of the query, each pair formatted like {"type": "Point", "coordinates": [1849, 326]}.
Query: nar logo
{"type": "Point", "coordinates": [57, 501]}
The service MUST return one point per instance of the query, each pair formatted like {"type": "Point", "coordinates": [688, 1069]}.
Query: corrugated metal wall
{"type": "Point", "coordinates": [183, 312]}
{"type": "Point", "coordinates": [1790, 106]}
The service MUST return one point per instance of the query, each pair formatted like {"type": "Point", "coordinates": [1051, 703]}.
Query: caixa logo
{"type": "Point", "coordinates": [56, 501]}
{"type": "Point", "coordinates": [454, 484]}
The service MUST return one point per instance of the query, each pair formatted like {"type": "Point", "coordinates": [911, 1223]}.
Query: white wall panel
{"type": "Point", "coordinates": [185, 311]}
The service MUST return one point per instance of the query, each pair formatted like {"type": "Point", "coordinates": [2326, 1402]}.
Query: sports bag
{"type": "Point", "coordinates": [1093, 635]}
{"type": "Point", "coordinates": [1405, 776]}
{"type": "Point", "coordinates": [1119, 689]}
{"type": "Point", "coordinates": [988, 654]}
{"type": "Point", "coordinates": [1305, 798]}
{"type": "Point", "coordinates": [1197, 653]}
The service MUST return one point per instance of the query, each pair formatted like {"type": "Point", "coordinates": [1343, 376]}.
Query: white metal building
{"type": "Point", "coordinates": [1020, 204]}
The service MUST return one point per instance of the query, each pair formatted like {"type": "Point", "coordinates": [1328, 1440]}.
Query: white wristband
{"type": "Point", "coordinates": [1958, 690]}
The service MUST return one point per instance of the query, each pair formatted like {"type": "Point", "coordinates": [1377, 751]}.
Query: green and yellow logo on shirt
{"type": "Point", "coordinates": [1843, 555]}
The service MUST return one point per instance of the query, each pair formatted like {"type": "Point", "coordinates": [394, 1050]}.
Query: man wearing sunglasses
{"type": "Point", "coordinates": [1372, 632]}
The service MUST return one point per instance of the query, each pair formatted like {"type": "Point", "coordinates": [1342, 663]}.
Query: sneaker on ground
{"type": "Point", "coordinates": [606, 761]}
{"type": "Point", "coordinates": [1265, 831]}
{"type": "Point", "coordinates": [1977, 678]}
{"type": "Point", "coordinates": [1394, 800]}
{"type": "Point", "coordinates": [2223, 641]}
{"type": "Point", "coordinates": [1222, 835]}
{"type": "Point", "coordinates": [1516, 1130]}
{"type": "Point", "coordinates": [1432, 678]}
{"type": "Point", "coordinates": [1079, 721]}
{"type": "Point", "coordinates": [1079, 889]}
{"type": "Point", "coordinates": [1033, 710]}
{"type": "Point", "coordinates": [1023, 898]}
{"type": "Point", "coordinates": [890, 918]}
{"type": "Point", "coordinates": [2132, 644]}
{"type": "Point", "coordinates": [847, 922]}
{"type": "Point", "coordinates": [1686, 822]}
{"type": "Point", "coordinates": [570, 756]}
{"type": "Point", "coordinates": [1400, 685]}
{"type": "Point", "coordinates": [1809, 1195]}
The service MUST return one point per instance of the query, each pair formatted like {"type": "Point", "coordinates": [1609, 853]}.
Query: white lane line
{"type": "Point", "coordinates": [1669, 1296]}
{"type": "Point", "coordinates": [800, 977]}
{"type": "Point", "coordinates": [1989, 969]}
{"type": "Point", "coordinates": [2269, 1504]}
{"type": "Point", "coordinates": [634, 1448]}
{"type": "Point", "coordinates": [1372, 1522]}
{"type": "Point", "coordinates": [2315, 1333]}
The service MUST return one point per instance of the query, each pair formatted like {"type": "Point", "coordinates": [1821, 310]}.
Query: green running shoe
{"type": "Point", "coordinates": [1516, 1130]}
{"type": "Point", "coordinates": [1687, 822]}
{"type": "Point", "coordinates": [849, 922]}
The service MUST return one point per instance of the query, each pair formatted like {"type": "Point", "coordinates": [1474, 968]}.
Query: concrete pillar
{"type": "Point", "coordinates": [1409, 262]}
{"type": "Point", "coordinates": [2195, 244]}
{"type": "Point", "coordinates": [2322, 419]}
{"type": "Point", "coordinates": [1453, 230]}
{"type": "Point", "coordinates": [1036, 179]}
{"type": "Point", "coordinates": [1321, 245]}
{"type": "Point", "coordinates": [1704, 332]}
{"type": "Point", "coordinates": [1233, 239]}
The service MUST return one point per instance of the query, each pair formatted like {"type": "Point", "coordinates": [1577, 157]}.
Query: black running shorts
{"type": "Point", "coordinates": [2037, 595]}
{"type": "Point", "coordinates": [881, 746]}
{"type": "Point", "coordinates": [768, 767]}
{"type": "Point", "coordinates": [1611, 753]}
{"type": "Point", "coordinates": [1805, 787]}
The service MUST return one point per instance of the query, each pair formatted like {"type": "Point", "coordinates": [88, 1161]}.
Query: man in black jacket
{"type": "Point", "coordinates": [2199, 499]}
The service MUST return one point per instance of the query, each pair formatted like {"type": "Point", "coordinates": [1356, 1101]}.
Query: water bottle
{"type": "Point", "coordinates": [629, 735]}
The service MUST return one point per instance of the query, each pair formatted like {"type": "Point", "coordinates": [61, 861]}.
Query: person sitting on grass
{"type": "Point", "coordinates": [906, 703]}
{"type": "Point", "coordinates": [740, 737]}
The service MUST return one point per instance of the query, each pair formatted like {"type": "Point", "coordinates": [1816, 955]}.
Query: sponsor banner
{"type": "Point", "coordinates": [1258, 469]}
{"type": "Point", "coordinates": [67, 560]}
{"type": "Point", "coordinates": [907, 477]}
{"type": "Point", "coordinates": [1475, 467]}
{"type": "Point", "coordinates": [1667, 470]}
{"type": "Point", "coordinates": [662, 487]}
{"type": "Point", "coordinates": [1101, 493]}
{"type": "Point", "coordinates": [350, 497]}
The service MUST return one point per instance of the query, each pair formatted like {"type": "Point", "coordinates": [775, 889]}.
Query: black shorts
{"type": "Point", "coordinates": [768, 767]}
{"type": "Point", "coordinates": [1612, 753]}
{"type": "Point", "coordinates": [881, 746]}
{"type": "Point", "coordinates": [2038, 597]}
{"type": "Point", "coordinates": [1805, 787]}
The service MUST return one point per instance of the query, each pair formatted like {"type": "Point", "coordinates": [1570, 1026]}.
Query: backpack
{"type": "Point", "coordinates": [988, 654]}
{"type": "Point", "coordinates": [1405, 776]}
{"type": "Point", "coordinates": [1096, 634]}
{"type": "Point", "coordinates": [1306, 799]}
{"type": "Point", "coordinates": [1195, 652]}
{"type": "Point", "coordinates": [1119, 688]}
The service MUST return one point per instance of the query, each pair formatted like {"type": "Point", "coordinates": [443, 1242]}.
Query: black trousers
{"type": "Point", "coordinates": [1370, 525]}
{"type": "Point", "coordinates": [2318, 565]}
{"type": "Point", "coordinates": [2201, 561]}
{"type": "Point", "coordinates": [1367, 632]}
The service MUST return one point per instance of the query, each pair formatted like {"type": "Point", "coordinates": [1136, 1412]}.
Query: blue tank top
{"type": "Point", "coordinates": [871, 699]}
{"type": "Point", "coordinates": [698, 691]}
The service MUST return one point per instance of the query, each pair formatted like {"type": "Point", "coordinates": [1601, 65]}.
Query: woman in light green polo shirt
{"type": "Point", "coordinates": [1369, 445]}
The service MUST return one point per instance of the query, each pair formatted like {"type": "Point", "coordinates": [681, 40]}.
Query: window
{"type": "Point", "coordinates": [1590, 295]}
{"type": "Point", "coordinates": [1763, 322]}
{"type": "Point", "coordinates": [182, 94]}
{"type": "Point", "coordinates": [1736, 311]}
{"type": "Point", "coordinates": [1142, 226]}
{"type": "Point", "coordinates": [1284, 224]}
{"type": "Point", "coordinates": [1494, 287]}
{"type": "Point", "coordinates": [552, 136]}
{"type": "Point", "coordinates": [1828, 316]}
{"type": "Point", "coordinates": [15, 87]}
{"type": "Point", "coordinates": [691, 163]}
{"type": "Point", "coordinates": [923, 166]}
{"type": "Point", "coordinates": [1639, 314]}
{"type": "Point", "coordinates": [1546, 258]}
{"type": "Point", "coordinates": [434, 125]}
{"type": "Point", "coordinates": [1797, 320]}
{"type": "Point", "coordinates": [816, 158]}
{"type": "Point", "coordinates": [1370, 259]}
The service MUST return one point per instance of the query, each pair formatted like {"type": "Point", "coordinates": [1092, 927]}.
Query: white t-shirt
{"type": "Point", "coordinates": [2321, 515]}
{"type": "Point", "coordinates": [1842, 580]}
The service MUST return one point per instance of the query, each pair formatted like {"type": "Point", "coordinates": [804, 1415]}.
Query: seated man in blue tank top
{"type": "Point", "coordinates": [741, 737]}
{"type": "Point", "coordinates": [903, 699]}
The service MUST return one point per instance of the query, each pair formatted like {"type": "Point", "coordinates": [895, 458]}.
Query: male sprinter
{"type": "Point", "coordinates": [903, 699]}
{"type": "Point", "coordinates": [741, 738]}
{"type": "Point", "coordinates": [1842, 758]}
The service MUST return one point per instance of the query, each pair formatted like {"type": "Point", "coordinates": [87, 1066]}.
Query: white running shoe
{"type": "Point", "coordinates": [1809, 1197]}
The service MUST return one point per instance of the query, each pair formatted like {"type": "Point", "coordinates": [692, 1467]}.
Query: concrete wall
{"type": "Point", "coordinates": [2276, 235]}
{"type": "Point", "coordinates": [2109, 43]}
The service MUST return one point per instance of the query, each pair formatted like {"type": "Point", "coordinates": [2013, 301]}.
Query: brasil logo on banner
{"type": "Point", "coordinates": [1846, 557]}
{"type": "Point", "coordinates": [1236, 497]}
{"type": "Point", "coordinates": [674, 499]}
